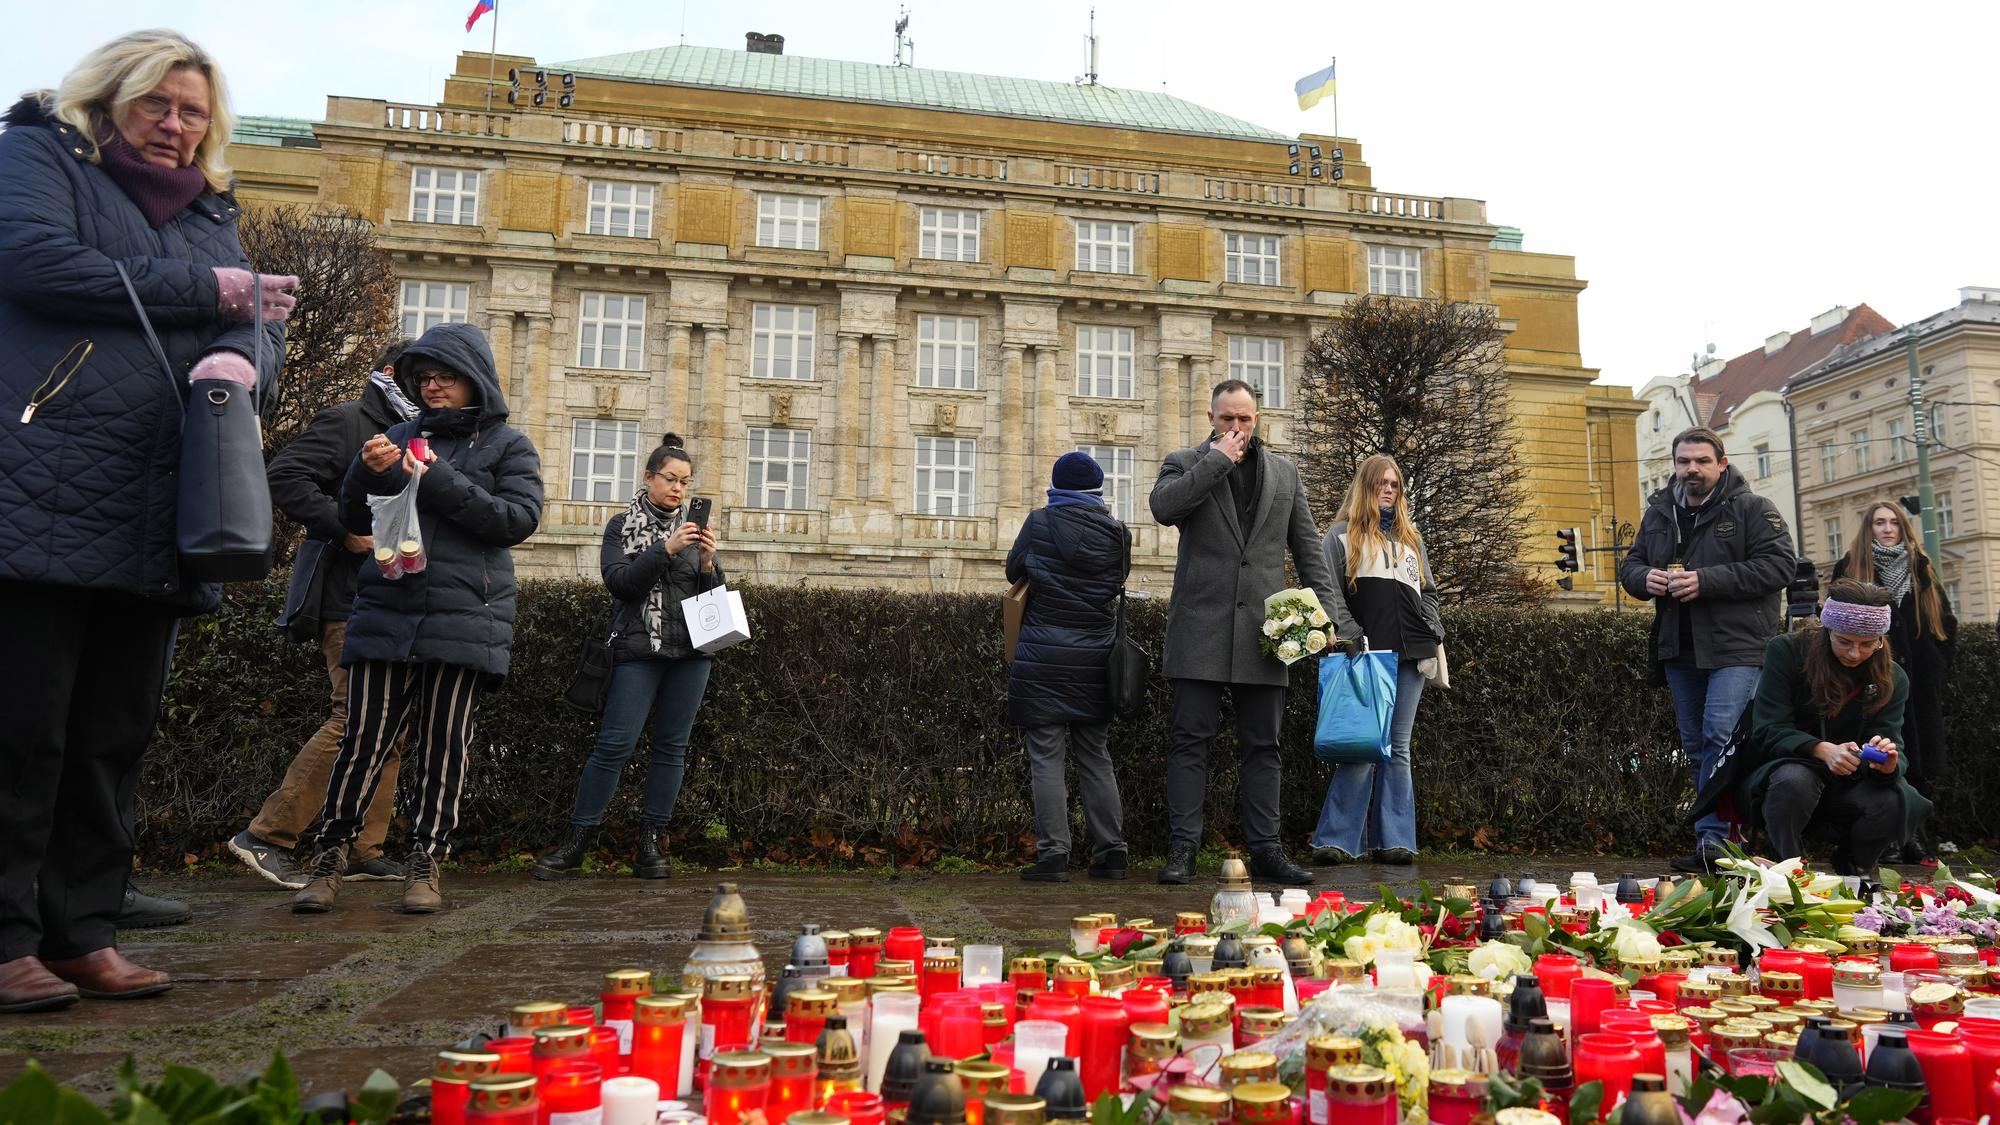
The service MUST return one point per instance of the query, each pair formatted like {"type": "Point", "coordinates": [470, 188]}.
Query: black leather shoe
{"type": "Point", "coordinates": [1047, 869]}
{"type": "Point", "coordinates": [1180, 865]}
{"type": "Point", "coordinates": [1700, 861]}
{"type": "Point", "coordinates": [143, 911]}
{"type": "Point", "coordinates": [565, 860]}
{"type": "Point", "coordinates": [651, 862]}
{"type": "Point", "coordinates": [1331, 857]}
{"type": "Point", "coordinates": [1113, 864]}
{"type": "Point", "coordinates": [1273, 865]}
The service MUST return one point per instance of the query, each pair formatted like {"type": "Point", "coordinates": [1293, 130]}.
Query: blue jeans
{"type": "Point", "coordinates": [1376, 796]}
{"type": "Point", "coordinates": [671, 690]}
{"type": "Point", "coordinates": [1707, 704]}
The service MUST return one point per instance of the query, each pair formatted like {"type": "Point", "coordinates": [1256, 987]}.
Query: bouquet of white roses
{"type": "Point", "coordinates": [1294, 625]}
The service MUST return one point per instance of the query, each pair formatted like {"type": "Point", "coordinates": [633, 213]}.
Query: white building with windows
{"type": "Point", "coordinates": [878, 302]}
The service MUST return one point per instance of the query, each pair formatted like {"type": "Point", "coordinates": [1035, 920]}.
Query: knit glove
{"type": "Point", "coordinates": [239, 292]}
{"type": "Point", "coordinates": [227, 367]}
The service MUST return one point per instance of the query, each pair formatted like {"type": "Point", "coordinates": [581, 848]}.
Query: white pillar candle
{"type": "Point", "coordinates": [889, 1015]}
{"type": "Point", "coordinates": [631, 1101]}
{"type": "Point", "coordinates": [1457, 1015]}
{"type": "Point", "coordinates": [1395, 968]}
{"type": "Point", "coordinates": [690, 1046]}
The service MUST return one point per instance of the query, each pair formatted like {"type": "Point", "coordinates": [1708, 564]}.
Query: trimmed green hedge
{"type": "Point", "coordinates": [869, 727]}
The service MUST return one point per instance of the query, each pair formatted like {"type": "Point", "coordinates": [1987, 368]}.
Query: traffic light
{"type": "Point", "coordinates": [1569, 539]}
{"type": "Point", "coordinates": [1914, 505]}
{"type": "Point", "coordinates": [1802, 596]}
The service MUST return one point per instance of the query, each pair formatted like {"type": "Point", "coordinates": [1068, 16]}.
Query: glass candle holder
{"type": "Point", "coordinates": [859, 1107]}
{"type": "Point", "coordinates": [981, 1080]}
{"type": "Point", "coordinates": [451, 1082]}
{"type": "Point", "coordinates": [1360, 1095]}
{"type": "Point", "coordinates": [739, 1083]}
{"type": "Point", "coordinates": [572, 1088]}
{"type": "Point", "coordinates": [620, 991]}
{"type": "Point", "coordinates": [503, 1099]}
{"type": "Point", "coordinates": [983, 964]}
{"type": "Point", "coordinates": [1036, 1041]}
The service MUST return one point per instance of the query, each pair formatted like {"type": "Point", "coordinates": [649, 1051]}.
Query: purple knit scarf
{"type": "Point", "coordinates": [160, 193]}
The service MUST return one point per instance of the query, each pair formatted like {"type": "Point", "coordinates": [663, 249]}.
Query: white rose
{"type": "Point", "coordinates": [1635, 942]}
{"type": "Point", "coordinates": [1362, 948]}
{"type": "Point", "coordinates": [1273, 627]}
{"type": "Point", "coordinates": [1315, 641]}
{"type": "Point", "coordinates": [1293, 621]}
{"type": "Point", "coordinates": [1318, 619]}
{"type": "Point", "coordinates": [1498, 960]}
{"type": "Point", "coordinates": [1290, 651]}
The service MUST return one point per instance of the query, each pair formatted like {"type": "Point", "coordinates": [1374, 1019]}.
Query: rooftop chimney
{"type": "Point", "coordinates": [1775, 344]}
{"type": "Point", "coordinates": [1831, 318]}
{"type": "Point", "coordinates": [758, 43]}
{"type": "Point", "coordinates": [1986, 293]}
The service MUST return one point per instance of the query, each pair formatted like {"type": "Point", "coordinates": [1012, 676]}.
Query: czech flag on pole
{"type": "Point", "coordinates": [1312, 87]}
{"type": "Point", "coordinates": [480, 9]}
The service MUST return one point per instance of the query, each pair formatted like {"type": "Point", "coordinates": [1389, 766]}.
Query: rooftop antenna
{"type": "Point", "coordinates": [684, 23]}
{"type": "Point", "coordinates": [1090, 76]}
{"type": "Point", "coordinates": [903, 25]}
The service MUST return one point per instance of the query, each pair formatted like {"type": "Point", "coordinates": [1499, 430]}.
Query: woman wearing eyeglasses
{"type": "Point", "coordinates": [422, 646]}
{"type": "Point", "coordinates": [120, 166]}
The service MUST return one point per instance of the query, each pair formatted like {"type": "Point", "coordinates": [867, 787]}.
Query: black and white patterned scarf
{"type": "Point", "coordinates": [646, 523]}
{"type": "Point", "coordinates": [1892, 569]}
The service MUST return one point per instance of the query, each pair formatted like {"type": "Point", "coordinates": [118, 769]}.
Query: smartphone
{"type": "Point", "coordinates": [698, 512]}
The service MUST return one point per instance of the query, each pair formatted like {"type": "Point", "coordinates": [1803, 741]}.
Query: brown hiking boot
{"type": "Point", "coordinates": [420, 884]}
{"type": "Point", "coordinates": [322, 882]}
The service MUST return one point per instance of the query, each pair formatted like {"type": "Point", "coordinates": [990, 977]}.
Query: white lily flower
{"type": "Point", "coordinates": [1744, 922]}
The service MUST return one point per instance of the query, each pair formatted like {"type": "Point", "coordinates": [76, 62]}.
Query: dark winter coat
{"type": "Point", "coordinates": [630, 580]}
{"type": "Point", "coordinates": [305, 485]}
{"type": "Point", "coordinates": [88, 487]}
{"type": "Point", "coordinates": [1927, 661]}
{"type": "Point", "coordinates": [1394, 600]}
{"type": "Point", "coordinates": [1075, 560]}
{"type": "Point", "coordinates": [1744, 554]}
{"type": "Point", "coordinates": [480, 497]}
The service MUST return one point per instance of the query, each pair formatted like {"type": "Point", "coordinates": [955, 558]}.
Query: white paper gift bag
{"type": "Point", "coordinates": [716, 620]}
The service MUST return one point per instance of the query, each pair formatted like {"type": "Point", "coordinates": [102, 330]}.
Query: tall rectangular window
{"type": "Point", "coordinates": [444, 195]}
{"type": "Point", "coordinates": [1260, 362]}
{"type": "Point", "coordinates": [945, 475]}
{"type": "Point", "coordinates": [948, 352]}
{"type": "Point", "coordinates": [1103, 247]}
{"type": "Point", "coordinates": [1834, 546]}
{"type": "Point", "coordinates": [781, 341]}
{"type": "Point", "coordinates": [778, 470]}
{"type": "Point", "coordinates": [1899, 436]}
{"type": "Point", "coordinates": [1250, 259]}
{"type": "Point", "coordinates": [949, 233]}
{"type": "Point", "coordinates": [1763, 461]}
{"type": "Point", "coordinates": [790, 222]}
{"type": "Point", "coordinates": [427, 304]}
{"type": "Point", "coordinates": [604, 460]}
{"type": "Point", "coordinates": [1863, 460]}
{"type": "Point", "coordinates": [1828, 462]}
{"type": "Point", "coordinates": [611, 331]}
{"type": "Point", "coordinates": [1104, 359]}
{"type": "Point", "coordinates": [1117, 462]}
{"type": "Point", "coordinates": [1947, 523]}
{"type": "Point", "coordinates": [621, 210]}
{"type": "Point", "coordinates": [1939, 436]}
{"type": "Point", "coordinates": [1395, 271]}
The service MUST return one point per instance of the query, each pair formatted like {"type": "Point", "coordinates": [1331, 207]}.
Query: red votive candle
{"type": "Point", "coordinates": [1638, 1026]}
{"type": "Point", "coordinates": [859, 1108]}
{"type": "Point", "coordinates": [904, 943]}
{"type": "Point", "coordinates": [1608, 1058]}
{"type": "Point", "coordinates": [1983, 1041]}
{"type": "Point", "coordinates": [864, 949]}
{"type": "Point", "coordinates": [960, 1028]}
{"type": "Point", "coordinates": [1910, 957]}
{"type": "Point", "coordinates": [1588, 998]}
{"type": "Point", "coordinates": [1106, 1028]}
{"type": "Point", "coordinates": [553, 1045]}
{"type": "Point", "coordinates": [1064, 1009]}
{"type": "Point", "coordinates": [1144, 1005]}
{"type": "Point", "coordinates": [1817, 969]}
{"type": "Point", "coordinates": [941, 974]}
{"type": "Point", "coordinates": [839, 945]}
{"type": "Point", "coordinates": [503, 1099]}
{"type": "Point", "coordinates": [604, 1050]}
{"type": "Point", "coordinates": [1557, 971]}
{"type": "Point", "coordinates": [794, 1069]}
{"type": "Point", "coordinates": [728, 1004]}
{"type": "Point", "coordinates": [806, 1010]}
{"type": "Point", "coordinates": [572, 1088]}
{"type": "Point", "coordinates": [739, 1084]}
{"type": "Point", "coordinates": [1947, 1066]}
{"type": "Point", "coordinates": [451, 1082]}
{"type": "Point", "coordinates": [622, 989]}
{"type": "Point", "coordinates": [1027, 974]}
{"type": "Point", "coordinates": [515, 1051]}
{"type": "Point", "coordinates": [580, 1015]}
{"type": "Point", "coordinates": [657, 1025]}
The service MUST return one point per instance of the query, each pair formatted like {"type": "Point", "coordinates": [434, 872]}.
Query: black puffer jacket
{"type": "Point", "coordinates": [87, 488]}
{"type": "Point", "coordinates": [480, 497]}
{"type": "Point", "coordinates": [1744, 555]}
{"type": "Point", "coordinates": [1075, 560]}
{"type": "Point", "coordinates": [630, 580]}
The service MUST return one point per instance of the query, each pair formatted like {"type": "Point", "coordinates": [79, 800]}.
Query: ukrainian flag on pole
{"type": "Point", "coordinates": [1313, 87]}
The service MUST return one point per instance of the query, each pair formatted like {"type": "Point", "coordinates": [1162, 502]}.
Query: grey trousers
{"type": "Point", "coordinates": [1260, 711]}
{"type": "Point", "coordinates": [1103, 814]}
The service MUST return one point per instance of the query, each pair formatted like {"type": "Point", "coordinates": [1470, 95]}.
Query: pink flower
{"type": "Point", "coordinates": [1722, 1109]}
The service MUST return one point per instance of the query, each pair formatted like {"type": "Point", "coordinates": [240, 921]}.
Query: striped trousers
{"type": "Point", "coordinates": [380, 697]}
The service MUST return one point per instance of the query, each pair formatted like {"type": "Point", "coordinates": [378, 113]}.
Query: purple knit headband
{"type": "Point", "coordinates": [1855, 620]}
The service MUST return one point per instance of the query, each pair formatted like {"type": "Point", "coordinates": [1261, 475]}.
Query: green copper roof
{"type": "Point", "coordinates": [936, 89]}
{"type": "Point", "coordinates": [287, 132]}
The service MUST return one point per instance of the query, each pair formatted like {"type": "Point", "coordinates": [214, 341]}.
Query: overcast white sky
{"type": "Point", "coordinates": [1721, 171]}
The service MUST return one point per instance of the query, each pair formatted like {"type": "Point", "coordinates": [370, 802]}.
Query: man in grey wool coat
{"type": "Point", "coordinates": [1239, 507]}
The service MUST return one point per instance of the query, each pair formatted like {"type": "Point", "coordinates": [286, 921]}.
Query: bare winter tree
{"type": "Point", "coordinates": [1424, 382]}
{"type": "Point", "coordinates": [346, 312]}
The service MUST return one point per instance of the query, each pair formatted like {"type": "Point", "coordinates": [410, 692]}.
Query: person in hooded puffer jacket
{"type": "Point", "coordinates": [424, 645]}
{"type": "Point", "coordinates": [1075, 556]}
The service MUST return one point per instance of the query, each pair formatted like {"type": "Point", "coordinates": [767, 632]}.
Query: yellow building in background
{"type": "Point", "coordinates": [880, 301]}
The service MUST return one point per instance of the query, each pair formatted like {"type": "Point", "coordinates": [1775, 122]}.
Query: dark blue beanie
{"type": "Point", "coordinates": [1077, 472]}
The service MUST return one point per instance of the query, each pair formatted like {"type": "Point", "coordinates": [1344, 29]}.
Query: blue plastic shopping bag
{"type": "Point", "coordinates": [1357, 696]}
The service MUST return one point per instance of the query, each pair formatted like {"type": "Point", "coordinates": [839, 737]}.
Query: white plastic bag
{"type": "Point", "coordinates": [399, 538]}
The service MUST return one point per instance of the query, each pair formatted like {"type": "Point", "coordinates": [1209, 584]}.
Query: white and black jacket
{"type": "Point", "coordinates": [1392, 595]}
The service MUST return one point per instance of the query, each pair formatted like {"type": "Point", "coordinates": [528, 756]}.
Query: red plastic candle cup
{"type": "Point", "coordinates": [1664, 1006]}
{"type": "Point", "coordinates": [1947, 1066]}
{"type": "Point", "coordinates": [864, 949]}
{"type": "Point", "coordinates": [1064, 1009]}
{"type": "Point", "coordinates": [503, 1099]}
{"type": "Point", "coordinates": [794, 1072]}
{"type": "Point", "coordinates": [904, 943]}
{"type": "Point", "coordinates": [1910, 957]}
{"type": "Point", "coordinates": [1667, 990]}
{"type": "Point", "coordinates": [739, 1084]}
{"type": "Point", "coordinates": [941, 974]}
{"type": "Point", "coordinates": [1588, 998]}
{"type": "Point", "coordinates": [1638, 1027]}
{"type": "Point", "coordinates": [1781, 960]}
{"type": "Point", "coordinates": [1145, 1005]}
{"type": "Point", "coordinates": [1982, 1039]}
{"type": "Point", "coordinates": [580, 1015]}
{"type": "Point", "coordinates": [604, 1042]}
{"type": "Point", "coordinates": [859, 1108]}
{"type": "Point", "coordinates": [1309, 988]}
{"type": "Point", "coordinates": [515, 1051]}
{"type": "Point", "coordinates": [1601, 1056]}
{"type": "Point", "coordinates": [451, 1082]}
{"type": "Point", "coordinates": [1106, 1028]}
{"type": "Point", "coordinates": [658, 1024]}
{"type": "Point", "coordinates": [621, 991]}
{"type": "Point", "coordinates": [960, 1030]}
{"type": "Point", "coordinates": [728, 1006]}
{"type": "Point", "coordinates": [572, 1087]}
{"type": "Point", "coordinates": [1557, 971]}
{"type": "Point", "coordinates": [1817, 969]}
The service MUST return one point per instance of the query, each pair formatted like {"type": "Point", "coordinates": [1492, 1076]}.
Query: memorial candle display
{"type": "Point", "coordinates": [1360, 1095]}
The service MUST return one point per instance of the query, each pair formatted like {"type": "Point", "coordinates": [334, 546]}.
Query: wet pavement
{"type": "Point", "coordinates": [366, 987]}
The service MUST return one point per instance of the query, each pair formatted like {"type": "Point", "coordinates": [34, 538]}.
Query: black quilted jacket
{"type": "Point", "coordinates": [1074, 558]}
{"type": "Point", "coordinates": [87, 487]}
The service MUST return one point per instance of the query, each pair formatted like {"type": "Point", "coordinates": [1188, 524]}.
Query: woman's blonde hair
{"type": "Point", "coordinates": [1861, 565]}
{"type": "Point", "coordinates": [1364, 519]}
{"type": "Point", "coordinates": [97, 91]}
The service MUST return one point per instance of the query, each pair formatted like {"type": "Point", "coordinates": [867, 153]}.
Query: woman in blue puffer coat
{"type": "Point", "coordinates": [121, 166]}
{"type": "Point", "coordinates": [1075, 556]}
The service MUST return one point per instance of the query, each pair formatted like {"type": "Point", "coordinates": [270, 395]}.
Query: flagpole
{"type": "Point", "coordinates": [493, 48]}
{"type": "Point", "coordinates": [1335, 63]}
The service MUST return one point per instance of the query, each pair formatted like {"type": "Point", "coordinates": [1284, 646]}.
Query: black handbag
{"type": "Point", "coordinates": [222, 522]}
{"type": "Point", "coordinates": [590, 684]}
{"type": "Point", "coordinates": [1129, 667]}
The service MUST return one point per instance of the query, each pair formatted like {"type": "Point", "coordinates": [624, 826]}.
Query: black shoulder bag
{"type": "Point", "coordinates": [590, 684]}
{"type": "Point", "coordinates": [1129, 667]}
{"type": "Point", "coordinates": [222, 522]}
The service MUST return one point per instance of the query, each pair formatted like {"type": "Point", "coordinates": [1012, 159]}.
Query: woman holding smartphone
{"type": "Point", "coordinates": [653, 558]}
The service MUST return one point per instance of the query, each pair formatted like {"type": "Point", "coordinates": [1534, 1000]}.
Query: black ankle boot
{"type": "Point", "coordinates": [651, 862]}
{"type": "Point", "coordinates": [566, 859]}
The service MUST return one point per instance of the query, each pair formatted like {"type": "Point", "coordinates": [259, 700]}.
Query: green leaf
{"type": "Point", "coordinates": [142, 1111]}
{"type": "Point", "coordinates": [29, 1098]}
{"type": "Point", "coordinates": [1782, 932]}
{"type": "Point", "coordinates": [1890, 878]}
{"type": "Point", "coordinates": [1535, 926]}
{"type": "Point", "coordinates": [1877, 1106]}
{"type": "Point", "coordinates": [1809, 1083]}
{"type": "Point", "coordinates": [1584, 1103]}
{"type": "Point", "coordinates": [376, 1103]}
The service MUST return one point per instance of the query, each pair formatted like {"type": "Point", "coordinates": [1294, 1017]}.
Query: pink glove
{"type": "Point", "coordinates": [226, 366]}
{"type": "Point", "coordinates": [240, 292]}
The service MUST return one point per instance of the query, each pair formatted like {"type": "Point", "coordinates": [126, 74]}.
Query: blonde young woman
{"type": "Point", "coordinates": [1379, 566]}
{"type": "Point", "coordinates": [1888, 552]}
